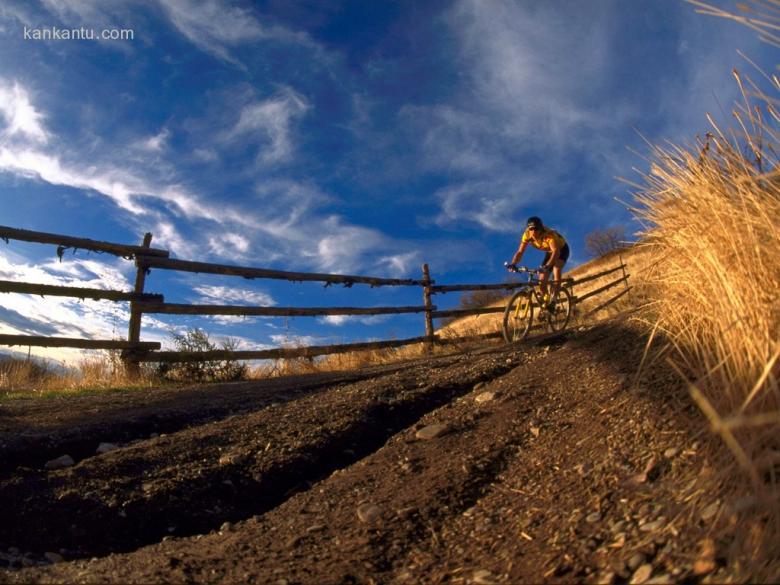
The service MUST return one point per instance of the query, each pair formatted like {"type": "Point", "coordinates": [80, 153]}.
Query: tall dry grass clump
{"type": "Point", "coordinates": [95, 372]}
{"type": "Point", "coordinates": [711, 215]}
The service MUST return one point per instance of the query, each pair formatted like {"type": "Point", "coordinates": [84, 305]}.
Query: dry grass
{"type": "Point", "coordinates": [366, 358]}
{"type": "Point", "coordinates": [96, 372]}
{"type": "Point", "coordinates": [711, 214]}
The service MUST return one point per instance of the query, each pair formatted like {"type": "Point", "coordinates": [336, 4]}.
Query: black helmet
{"type": "Point", "coordinates": [534, 222]}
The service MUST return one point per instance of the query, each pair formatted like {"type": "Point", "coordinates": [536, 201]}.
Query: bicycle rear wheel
{"type": "Point", "coordinates": [559, 317]}
{"type": "Point", "coordinates": [518, 316]}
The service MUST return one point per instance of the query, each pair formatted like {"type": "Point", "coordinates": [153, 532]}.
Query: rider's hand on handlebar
{"type": "Point", "coordinates": [510, 267]}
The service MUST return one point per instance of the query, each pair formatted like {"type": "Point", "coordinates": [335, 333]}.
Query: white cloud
{"type": "Point", "coordinates": [290, 340]}
{"type": "Point", "coordinates": [283, 221]}
{"type": "Point", "coordinates": [455, 140]}
{"type": "Point", "coordinates": [81, 11]}
{"type": "Point", "coordinates": [156, 143]}
{"type": "Point", "coordinates": [167, 236]}
{"type": "Point", "coordinates": [9, 12]}
{"type": "Point", "coordinates": [19, 115]}
{"type": "Point", "coordinates": [226, 295]}
{"type": "Point", "coordinates": [530, 102]}
{"type": "Point", "coordinates": [269, 123]}
{"type": "Point", "coordinates": [229, 245]}
{"type": "Point", "coordinates": [340, 320]}
{"type": "Point", "coordinates": [491, 204]}
{"type": "Point", "coordinates": [213, 26]}
{"type": "Point", "coordinates": [344, 245]}
{"type": "Point", "coordinates": [402, 263]}
{"type": "Point", "coordinates": [66, 317]}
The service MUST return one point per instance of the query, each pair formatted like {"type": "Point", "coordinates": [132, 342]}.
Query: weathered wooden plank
{"type": "Point", "coordinates": [278, 353]}
{"type": "Point", "coordinates": [508, 286]}
{"type": "Point", "coordinates": [607, 303]}
{"type": "Point", "coordinates": [601, 289]}
{"type": "Point", "coordinates": [250, 273]}
{"type": "Point", "coordinates": [134, 323]}
{"type": "Point", "coordinates": [445, 288]}
{"type": "Point", "coordinates": [429, 308]}
{"type": "Point", "coordinates": [43, 341]}
{"type": "Point", "coordinates": [579, 281]}
{"type": "Point", "coordinates": [7, 286]}
{"type": "Point", "coordinates": [465, 312]}
{"type": "Point", "coordinates": [246, 311]}
{"type": "Point", "coordinates": [8, 233]}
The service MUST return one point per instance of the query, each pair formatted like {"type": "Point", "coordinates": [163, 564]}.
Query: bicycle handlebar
{"type": "Point", "coordinates": [523, 269]}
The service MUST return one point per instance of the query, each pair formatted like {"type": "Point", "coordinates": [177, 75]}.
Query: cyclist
{"type": "Point", "coordinates": [556, 254]}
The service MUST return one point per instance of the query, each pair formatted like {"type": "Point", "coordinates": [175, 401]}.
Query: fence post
{"type": "Point", "coordinates": [132, 366]}
{"type": "Point", "coordinates": [429, 334]}
{"type": "Point", "coordinates": [623, 268]}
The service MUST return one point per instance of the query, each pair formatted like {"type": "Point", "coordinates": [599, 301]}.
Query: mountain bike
{"type": "Point", "coordinates": [519, 313]}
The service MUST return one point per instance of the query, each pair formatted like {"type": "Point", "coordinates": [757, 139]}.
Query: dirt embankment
{"type": "Point", "coordinates": [541, 462]}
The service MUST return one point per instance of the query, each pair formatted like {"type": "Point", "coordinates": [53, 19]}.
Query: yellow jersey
{"type": "Point", "coordinates": [544, 240]}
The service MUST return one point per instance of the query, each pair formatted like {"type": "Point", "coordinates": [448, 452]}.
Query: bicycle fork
{"type": "Point", "coordinates": [521, 311]}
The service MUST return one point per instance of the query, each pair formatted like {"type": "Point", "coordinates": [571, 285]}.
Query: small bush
{"type": "Point", "coordinates": [603, 241]}
{"type": "Point", "coordinates": [197, 340]}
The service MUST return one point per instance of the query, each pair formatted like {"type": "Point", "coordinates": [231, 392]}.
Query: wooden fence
{"type": "Point", "coordinates": [147, 258]}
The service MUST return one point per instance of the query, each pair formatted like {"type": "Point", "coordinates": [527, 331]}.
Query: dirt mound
{"type": "Point", "coordinates": [511, 464]}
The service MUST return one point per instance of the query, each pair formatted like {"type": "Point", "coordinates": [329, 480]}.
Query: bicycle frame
{"type": "Point", "coordinates": [518, 318]}
{"type": "Point", "coordinates": [533, 284]}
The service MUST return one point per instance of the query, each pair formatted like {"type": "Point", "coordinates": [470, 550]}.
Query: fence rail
{"type": "Point", "coordinates": [135, 351]}
{"type": "Point", "coordinates": [7, 286]}
{"type": "Point", "coordinates": [250, 272]}
{"type": "Point", "coordinates": [48, 341]}
{"type": "Point", "coordinates": [65, 242]}
{"type": "Point", "coordinates": [244, 311]}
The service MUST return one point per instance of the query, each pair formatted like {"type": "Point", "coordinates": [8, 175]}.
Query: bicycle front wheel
{"type": "Point", "coordinates": [559, 317]}
{"type": "Point", "coordinates": [518, 317]}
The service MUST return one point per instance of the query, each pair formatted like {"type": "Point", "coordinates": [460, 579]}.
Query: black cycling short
{"type": "Point", "coordinates": [564, 255]}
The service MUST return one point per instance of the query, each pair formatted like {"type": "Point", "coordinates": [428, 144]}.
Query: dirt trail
{"type": "Point", "coordinates": [533, 463]}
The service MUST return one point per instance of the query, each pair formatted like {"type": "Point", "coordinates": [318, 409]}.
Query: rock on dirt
{"type": "Point", "coordinates": [432, 431]}
{"type": "Point", "coordinates": [60, 463]}
{"type": "Point", "coordinates": [105, 448]}
{"type": "Point", "coordinates": [369, 513]}
{"type": "Point", "coordinates": [484, 397]}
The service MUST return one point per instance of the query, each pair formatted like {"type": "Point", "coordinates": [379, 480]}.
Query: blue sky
{"type": "Point", "coordinates": [361, 137]}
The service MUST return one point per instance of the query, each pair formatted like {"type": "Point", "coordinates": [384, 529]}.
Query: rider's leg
{"type": "Point", "coordinates": [556, 286]}
{"type": "Point", "coordinates": [558, 270]}
{"type": "Point", "coordinates": [543, 283]}
{"type": "Point", "coordinates": [544, 276]}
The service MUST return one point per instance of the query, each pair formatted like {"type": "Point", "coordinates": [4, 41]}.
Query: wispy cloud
{"type": "Point", "coordinates": [526, 106]}
{"type": "Point", "coordinates": [63, 316]}
{"type": "Point", "coordinates": [20, 116]}
{"type": "Point", "coordinates": [81, 11]}
{"type": "Point", "coordinates": [341, 320]}
{"type": "Point", "coordinates": [287, 218]}
{"type": "Point", "coordinates": [290, 340]}
{"type": "Point", "coordinates": [231, 295]}
{"type": "Point", "coordinates": [268, 123]}
{"type": "Point", "coordinates": [155, 143]}
{"type": "Point", "coordinates": [212, 26]}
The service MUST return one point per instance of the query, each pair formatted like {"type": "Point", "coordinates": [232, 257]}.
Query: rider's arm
{"type": "Point", "coordinates": [519, 254]}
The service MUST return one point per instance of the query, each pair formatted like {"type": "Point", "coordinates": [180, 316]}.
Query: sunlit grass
{"type": "Point", "coordinates": [711, 214]}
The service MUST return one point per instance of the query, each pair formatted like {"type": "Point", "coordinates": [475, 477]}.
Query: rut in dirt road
{"type": "Point", "coordinates": [558, 469]}
{"type": "Point", "coordinates": [192, 481]}
{"type": "Point", "coordinates": [35, 431]}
